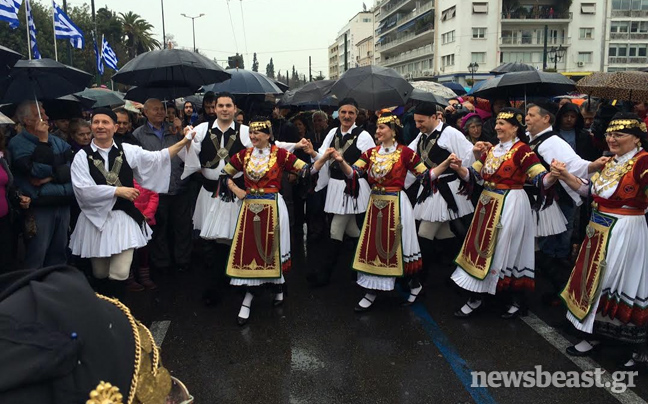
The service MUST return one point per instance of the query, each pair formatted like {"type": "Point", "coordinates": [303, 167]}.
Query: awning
{"type": "Point", "coordinates": [570, 74]}
{"type": "Point", "coordinates": [382, 38]}
{"type": "Point", "coordinates": [406, 26]}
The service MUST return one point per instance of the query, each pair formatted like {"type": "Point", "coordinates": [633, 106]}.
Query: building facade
{"type": "Point", "coordinates": [365, 55]}
{"type": "Point", "coordinates": [440, 39]}
{"type": "Point", "coordinates": [359, 27]}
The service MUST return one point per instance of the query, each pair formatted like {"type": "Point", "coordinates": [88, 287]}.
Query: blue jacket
{"type": "Point", "coordinates": [31, 158]}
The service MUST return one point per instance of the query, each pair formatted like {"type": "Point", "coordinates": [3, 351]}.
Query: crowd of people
{"type": "Point", "coordinates": [544, 188]}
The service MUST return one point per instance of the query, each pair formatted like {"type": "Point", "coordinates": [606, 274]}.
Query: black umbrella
{"type": "Point", "coordinates": [41, 79]}
{"type": "Point", "coordinates": [373, 87]}
{"type": "Point", "coordinates": [67, 107]}
{"type": "Point", "coordinates": [512, 67]}
{"type": "Point", "coordinates": [170, 67]}
{"type": "Point", "coordinates": [103, 97]}
{"type": "Point", "coordinates": [309, 94]}
{"type": "Point", "coordinates": [141, 94]}
{"type": "Point", "coordinates": [8, 58]}
{"type": "Point", "coordinates": [245, 82]}
{"type": "Point", "coordinates": [529, 83]}
{"type": "Point", "coordinates": [420, 95]}
{"type": "Point", "coordinates": [282, 86]}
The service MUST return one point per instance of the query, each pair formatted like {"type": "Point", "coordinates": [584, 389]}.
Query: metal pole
{"type": "Point", "coordinates": [544, 52]}
{"type": "Point", "coordinates": [54, 35]}
{"type": "Point", "coordinates": [94, 22]}
{"type": "Point", "coordinates": [346, 55]}
{"type": "Point", "coordinates": [69, 45]}
{"type": "Point", "coordinates": [29, 50]}
{"type": "Point", "coordinates": [193, 29]}
{"type": "Point", "coordinates": [164, 45]}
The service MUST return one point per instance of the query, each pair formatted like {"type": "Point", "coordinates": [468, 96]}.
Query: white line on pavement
{"type": "Point", "coordinates": [159, 330]}
{"type": "Point", "coordinates": [586, 364]}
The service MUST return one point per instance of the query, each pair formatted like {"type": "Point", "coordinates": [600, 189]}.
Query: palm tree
{"type": "Point", "coordinates": [137, 34]}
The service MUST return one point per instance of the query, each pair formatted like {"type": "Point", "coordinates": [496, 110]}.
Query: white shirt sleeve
{"type": "Point", "coordinates": [152, 169]}
{"type": "Point", "coordinates": [365, 142]}
{"type": "Point", "coordinates": [192, 160]}
{"type": "Point", "coordinates": [95, 201]}
{"type": "Point", "coordinates": [556, 148]}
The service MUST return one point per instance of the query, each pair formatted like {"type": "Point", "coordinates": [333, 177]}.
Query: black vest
{"type": "Point", "coordinates": [208, 151]}
{"type": "Point", "coordinates": [125, 177]}
{"type": "Point", "coordinates": [532, 191]}
{"type": "Point", "coordinates": [438, 154]}
{"type": "Point", "coordinates": [350, 155]}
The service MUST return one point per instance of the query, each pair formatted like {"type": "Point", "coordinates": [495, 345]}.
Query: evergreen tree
{"type": "Point", "coordinates": [255, 63]}
{"type": "Point", "coordinates": [270, 69]}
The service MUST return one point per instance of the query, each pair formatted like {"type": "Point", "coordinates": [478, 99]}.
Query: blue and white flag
{"type": "Point", "coordinates": [32, 31]}
{"type": "Point", "coordinates": [65, 28]}
{"type": "Point", "coordinates": [98, 59]}
{"type": "Point", "coordinates": [108, 54]}
{"type": "Point", "coordinates": [9, 12]}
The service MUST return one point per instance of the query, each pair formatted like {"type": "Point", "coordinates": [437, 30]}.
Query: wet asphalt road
{"type": "Point", "coordinates": [316, 349]}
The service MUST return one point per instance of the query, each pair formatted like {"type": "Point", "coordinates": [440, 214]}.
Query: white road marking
{"type": "Point", "coordinates": [586, 364]}
{"type": "Point", "coordinates": [159, 330]}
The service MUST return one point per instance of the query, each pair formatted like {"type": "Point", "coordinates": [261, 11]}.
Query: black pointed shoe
{"type": "Point", "coordinates": [360, 309]}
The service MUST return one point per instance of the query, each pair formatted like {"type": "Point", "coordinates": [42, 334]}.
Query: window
{"type": "Point", "coordinates": [448, 37]}
{"type": "Point", "coordinates": [527, 37]}
{"type": "Point", "coordinates": [524, 57]}
{"type": "Point", "coordinates": [639, 27]}
{"type": "Point", "coordinates": [629, 5]}
{"type": "Point", "coordinates": [479, 33]}
{"type": "Point", "coordinates": [366, 20]}
{"type": "Point", "coordinates": [585, 57]}
{"type": "Point", "coordinates": [447, 60]}
{"type": "Point", "coordinates": [449, 13]}
{"type": "Point", "coordinates": [588, 8]}
{"type": "Point", "coordinates": [586, 33]}
{"type": "Point", "coordinates": [619, 26]}
{"type": "Point", "coordinates": [637, 50]}
{"type": "Point", "coordinates": [478, 57]}
{"type": "Point", "coordinates": [480, 8]}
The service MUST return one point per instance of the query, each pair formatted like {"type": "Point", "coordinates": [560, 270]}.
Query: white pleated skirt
{"type": "Point", "coordinates": [550, 221]}
{"type": "Point", "coordinates": [514, 250]}
{"type": "Point", "coordinates": [284, 248]}
{"type": "Point", "coordinates": [120, 233]}
{"type": "Point", "coordinates": [215, 218]}
{"type": "Point", "coordinates": [410, 246]}
{"type": "Point", "coordinates": [435, 208]}
{"type": "Point", "coordinates": [339, 203]}
{"type": "Point", "coordinates": [626, 274]}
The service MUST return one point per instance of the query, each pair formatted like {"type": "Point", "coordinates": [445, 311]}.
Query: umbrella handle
{"type": "Point", "coordinates": [37, 106]}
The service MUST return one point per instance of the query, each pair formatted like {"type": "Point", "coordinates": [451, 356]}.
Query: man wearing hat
{"type": "Point", "coordinates": [110, 227]}
{"type": "Point", "coordinates": [342, 201]}
{"type": "Point", "coordinates": [60, 343]}
{"type": "Point", "coordinates": [555, 220]}
{"type": "Point", "coordinates": [438, 202]}
{"type": "Point", "coordinates": [217, 208]}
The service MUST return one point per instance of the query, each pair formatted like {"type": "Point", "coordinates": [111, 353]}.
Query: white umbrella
{"type": "Point", "coordinates": [434, 88]}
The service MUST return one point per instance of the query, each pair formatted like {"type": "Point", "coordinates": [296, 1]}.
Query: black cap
{"type": "Point", "coordinates": [105, 111]}
{"type": "Point", "coordinates": [347, 101]}
{"type": "Point", "coordinates": [547, 105]}
{"type": "Point", "coordinates": [426, 108]}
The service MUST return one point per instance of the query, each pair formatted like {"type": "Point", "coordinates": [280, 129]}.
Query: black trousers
{"type": "Point", "coordinates": [7, 243]}
{"type": "Point", "coordinates": [172, 235]}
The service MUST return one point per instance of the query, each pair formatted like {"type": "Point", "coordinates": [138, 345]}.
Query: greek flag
{"type": "Point", "coordinates": [100, 66]}
{"type": "Point", "coordinates": [9, 12]}
{"type": "Point", "coordinates": [108, 54]}
{"type": "Point", "coordinates": [32, 31]}
{"type": "Point", "coordinates": [65, 28]}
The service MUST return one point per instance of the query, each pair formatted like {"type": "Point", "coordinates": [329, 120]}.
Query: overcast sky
{"type": "Point", "coordinates": [287, 30]}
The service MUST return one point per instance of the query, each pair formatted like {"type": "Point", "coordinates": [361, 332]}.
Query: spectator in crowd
{"type": "Point", "coordinates": [80, 134]}
{"type": "Point", "coordinates": [10, 200]}
{"type": "Point", "coordinates": [240, 117]}
{"type": "Point", "coordinates": [189, 114]}
{"type": "Point", "coordinates": [209, 108]}
{"type": "Point", "coordinates": [588, 111]}
{"type": "Point", "coordinates": [62, 128]}
{"type": "Point", "coordinates": [172, 234]}
{"type": "Point", "coordinates": [171, 113]}
{"type": "Point", "coordinates": [42, 172]}
{"type": "Point", "coordinates": [472, 125]}
{"type": "Point", "coordinates": [124, 132]}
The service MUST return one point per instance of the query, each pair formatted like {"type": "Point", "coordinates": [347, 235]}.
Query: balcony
{"type": "Point", "coordinates": [409, 55]}
{"type": "Point", "coordinates": [625, 36]}
{"type": "Point", "coordinates": [629, 13]}
{"type": "Point", "coordinates": [627, 60]}
{"type": "Point", "coordinates": [391, 7]}
{"type": "Point", "coordinates": [539, 17]}
{"type": "Point", "coordinates": [408, 17]}
{"type": "Point", "coordinates": [516, 41]}
{"type": "Point", "coordinates": [414, 36]}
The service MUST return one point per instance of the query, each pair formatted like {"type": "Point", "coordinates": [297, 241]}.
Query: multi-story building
{"type": "Point", "coordinates": [440, 39]}
{"type": "Point", "coordinates": [365, 55]}
{"type": "Point", "coordinates": [359, 27]}
{"type": "Point", "coordinates": [334, 72]}
{"type": "Point", "coordinates": [626, 39]}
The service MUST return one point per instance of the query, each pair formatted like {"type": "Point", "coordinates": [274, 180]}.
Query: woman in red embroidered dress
{"type": "Point", "coordinates": [388, 247]}
{"type": "Point", "coordinates": [498, 252]}
{"type": "Point", "coordinates": [260, 250]}
{"type": "Point", "coordinates": [607, 292]}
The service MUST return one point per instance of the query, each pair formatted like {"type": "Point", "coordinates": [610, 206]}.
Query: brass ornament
{"type": "Point", "coordinates": [388, 120]}
{"type": "Point", "coordinates": [105, 393]}
{"type": "Point", "coordinates": [260, 125]}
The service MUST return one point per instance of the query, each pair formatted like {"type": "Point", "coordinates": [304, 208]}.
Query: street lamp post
{"type": "Point", "coordinates": [193, 27]}
{"type": "Point", "coordinates": [472, 68]}
{"type": "Point", "coordinates": [557, 55]}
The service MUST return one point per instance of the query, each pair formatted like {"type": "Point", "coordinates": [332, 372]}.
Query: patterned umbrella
{"type": "Point", "coordinates": [627, 86]}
